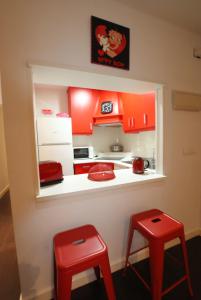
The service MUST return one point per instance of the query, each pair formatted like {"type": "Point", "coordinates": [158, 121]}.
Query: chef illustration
{"type": "Point", "coordinates": [102, 36]}
{"type": "Point", "coordinates": [112, 41]}
{"type": "Point", "coordinates": [115, 40]}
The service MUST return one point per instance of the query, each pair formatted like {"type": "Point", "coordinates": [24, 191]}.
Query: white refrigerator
{"type": "Point", "coordinates": [54, 141]}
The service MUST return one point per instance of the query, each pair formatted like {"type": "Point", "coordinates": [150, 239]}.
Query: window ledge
{"type": "Point", "coordinates": [75, 184]}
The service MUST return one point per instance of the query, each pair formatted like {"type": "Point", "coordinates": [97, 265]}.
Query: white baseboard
{"type": "Point", "coordinates": [81, 280]}
{"type": "Point", "coordinates": [2, 192]}
{"type": "Point", "coordinates": [45, 294]}
{"type": "Point", "coordinates": [190, 234]}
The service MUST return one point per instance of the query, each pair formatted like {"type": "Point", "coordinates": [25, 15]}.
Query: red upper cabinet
{"type": "Point", "coordinates": [88, 107]}
{"type": "Point", "coordinates": [108, 108]}
{"type": "Point", "coordinates": [139, 112]}
{"type": "Point", "coordinates": [131, 118]}
{"type": "Point", "coordinates": [147, 111]}
{"type": "Point", "coordinates": [81, 104]}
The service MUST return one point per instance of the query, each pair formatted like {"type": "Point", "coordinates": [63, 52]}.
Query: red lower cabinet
{"type": "Point", "coordinates": [84, 168]}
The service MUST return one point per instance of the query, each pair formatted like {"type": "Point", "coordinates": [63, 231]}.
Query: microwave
{"type": "Point", "coordinates": [83, 152]}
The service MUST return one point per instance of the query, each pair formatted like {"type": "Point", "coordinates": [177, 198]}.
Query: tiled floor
{"type": "Point", "coordinates": [9, 279]}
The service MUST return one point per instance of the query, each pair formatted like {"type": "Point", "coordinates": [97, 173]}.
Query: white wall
{"type": "Point", "coordinates": [101, 139]}
{"type": "Point", "coordinates": [140, 144]}
{"type": "Point", "coordinates": [50, 97]}
{"type": "Point", "coordinates": [58, 33]}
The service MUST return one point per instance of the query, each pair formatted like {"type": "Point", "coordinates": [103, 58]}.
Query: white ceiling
{"type": "Point", "coordinates": [185, 13]}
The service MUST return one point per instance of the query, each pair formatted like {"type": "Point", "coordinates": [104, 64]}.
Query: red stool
{"type": "Point", "coordinates": [76, 250]}
{"type": "Point", "coordinates": [158, 228]}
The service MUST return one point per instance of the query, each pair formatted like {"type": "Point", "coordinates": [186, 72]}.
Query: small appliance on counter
{"type": "Point", "coordinates": [138, 165]}
{"type": "Point", "coordinates": [101, 172]}
{"type": "Point", "coordinates": [50, 172]}
{"type": "Point", "coordinates": [149, 163]}
{"type": "Point", "coordinates": [83, 152]}
{"type": "Point", "coordinates": [117, 147]}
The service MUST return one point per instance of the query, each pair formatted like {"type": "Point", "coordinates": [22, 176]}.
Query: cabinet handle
{"type": "Point", "coordinates": [85, 167]}
{"type": "Point", "coordinates": [129, 122]}
{"type": "Point", "coordinates": [132, 122]}
{"type": "Point", "coordinates": [145, 119]}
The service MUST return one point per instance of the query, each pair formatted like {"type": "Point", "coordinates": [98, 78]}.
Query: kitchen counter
{"type": "Point", "coordinates": [80, 183]}
{"type": "Point", "coordinates": [118, 164]}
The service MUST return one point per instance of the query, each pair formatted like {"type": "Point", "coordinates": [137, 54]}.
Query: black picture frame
{"type": "Point", "coordinates": [106, 107]}
{"type": "Point", "coordinates": [110, 44]}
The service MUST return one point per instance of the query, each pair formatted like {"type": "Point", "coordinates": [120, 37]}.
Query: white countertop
{"type": "Point", "coordinates": [79, 183]}
{"type": "Point", "coordinates": [120, 158]}
{"type": "Point", "coordinates": [92, 160]}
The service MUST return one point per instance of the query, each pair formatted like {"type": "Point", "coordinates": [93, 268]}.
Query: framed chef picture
{"type": "Point", "coordinates": [110, 44]}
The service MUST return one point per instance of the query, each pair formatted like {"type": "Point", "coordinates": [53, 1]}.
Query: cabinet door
{"type": "Point", "coordinates": [139, 112]}
{"type": "Point", "coordinates": [81, 104]}
{"type": "Point", "coordinates": [84, 168]}
{"type": "Point", "coordinates": [131, 118]}
{"type": "Point", "coordinates": [147, 111]}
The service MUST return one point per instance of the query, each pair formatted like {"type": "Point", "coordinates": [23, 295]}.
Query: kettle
{"type": "Point", "coordinates": [139, 164]}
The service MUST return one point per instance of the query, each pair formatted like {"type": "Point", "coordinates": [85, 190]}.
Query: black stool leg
{"type": "Point", "coordinates": [97, 272]}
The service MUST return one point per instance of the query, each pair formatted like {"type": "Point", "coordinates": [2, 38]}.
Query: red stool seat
{"type": "Point", "coordinates": [76, 250]}
{"type": "Point", "coordinates": [158, 228]}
